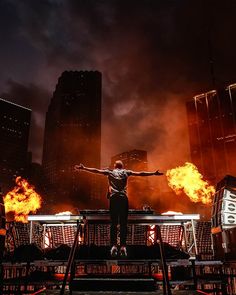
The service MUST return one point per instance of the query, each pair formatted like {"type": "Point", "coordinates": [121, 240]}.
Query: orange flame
{"type": "Point", "coordinates": [22, 200]}
{"type": "Point", "coordinates": [187, 178]}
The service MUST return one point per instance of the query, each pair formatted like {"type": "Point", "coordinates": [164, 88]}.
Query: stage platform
{"type": "Point", "coordinates": [38, 256]}
{"type": "Point", "coordinates": [174, 292]}
{"type": "Point", "coordinates": [177, 230]}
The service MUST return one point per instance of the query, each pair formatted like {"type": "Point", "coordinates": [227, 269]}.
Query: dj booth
{"type": "Point", "coordinates": [182, 232]}
{"type": "Point", "coordinates": [176, 230]}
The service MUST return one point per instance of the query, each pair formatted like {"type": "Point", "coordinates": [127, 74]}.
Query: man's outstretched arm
{"type": "Point", "coordinates": [145, 173]}
{"type": "Point", "coordinates": [92, 170]}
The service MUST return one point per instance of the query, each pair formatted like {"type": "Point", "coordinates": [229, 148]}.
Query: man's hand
{"type": "Point", "coordinates": [158, 173]}
{"type": "Point", "coordinates": [78, 167]}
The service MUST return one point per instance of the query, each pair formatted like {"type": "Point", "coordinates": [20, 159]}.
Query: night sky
{"type": "Point", "coordinates": [154, 55]}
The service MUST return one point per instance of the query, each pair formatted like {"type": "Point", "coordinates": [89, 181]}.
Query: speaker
{"type": "Point", "coordinates": [228, 219]}
{"type": "Point", "coordinates": [229, 195]}
{"type": "Point", "coordinates": [228, 206]}
{"type": "Point", "coordinates": [224, 205]}
{"type": "Point", "coordinates": [224, 244]}
{"type": "Point", "coordinates": [223, 221]}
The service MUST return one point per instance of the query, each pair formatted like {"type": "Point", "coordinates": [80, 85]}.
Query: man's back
{"type": "Point", "coordinates": [118, 180]}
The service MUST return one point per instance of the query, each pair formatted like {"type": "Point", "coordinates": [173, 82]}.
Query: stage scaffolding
{"type": "Point", "coordinates": [209, 275]}
{"type": "Point", "coordinates": [178, 231]}
{"type": "Point", "coordinates": [191, 236]}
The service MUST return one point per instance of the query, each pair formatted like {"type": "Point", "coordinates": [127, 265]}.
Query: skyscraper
{"type": "Point", "coordinates": [73, 136]}
{"type": "Point", "coordinates": [133, 160]}
{"type": "Point", "coordinates": [14, 136]}
{"type": "Point", "coordinates": [212, 132]}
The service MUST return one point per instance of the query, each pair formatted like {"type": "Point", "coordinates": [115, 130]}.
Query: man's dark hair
{"type": "Point", "coordinates": [119, 164]}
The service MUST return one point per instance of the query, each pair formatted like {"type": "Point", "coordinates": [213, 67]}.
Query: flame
{"type": "Point", "coordinates": [187, 178]}
{"type": "Point", "coordinates": [22, 200]}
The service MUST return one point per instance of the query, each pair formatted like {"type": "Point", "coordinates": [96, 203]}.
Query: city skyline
{"type": "Point", "coordinates": [153, 56]}
{"type": "Point", "coordinates": [84, 84]}
{"type": "Point", "coordinates": [133, 159]}
{"type": "Point", "coordinates": [225, 111]}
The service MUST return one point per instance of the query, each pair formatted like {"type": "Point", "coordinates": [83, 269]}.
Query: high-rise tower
{"type": "Point", "coordinates": [73, 136]}
{"type": "Point", "coordinates": [14, 136]}
{"type": "Point", "coordinates": [212, 132]}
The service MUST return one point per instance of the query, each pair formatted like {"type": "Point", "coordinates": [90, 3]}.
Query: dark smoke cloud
{"type": "Point", "coordinates": [154, 55]}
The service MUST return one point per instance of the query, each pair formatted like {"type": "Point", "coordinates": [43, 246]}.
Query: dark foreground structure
{"type": "Point", "coordinates": [167, 254]}
{"type": "Point", "coordinates": [43, 251]}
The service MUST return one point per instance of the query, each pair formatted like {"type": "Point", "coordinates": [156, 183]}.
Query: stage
{"type": "Point", "coordinates": [41, 259]}
{"type": "Point", "coordinates": [174, 292]}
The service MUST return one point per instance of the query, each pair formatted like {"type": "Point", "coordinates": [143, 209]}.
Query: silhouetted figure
{"type": "Point", "coordinates": [119, 204]}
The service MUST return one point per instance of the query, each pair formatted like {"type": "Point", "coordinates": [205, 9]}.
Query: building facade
{"type": "Point", "coordinates": [73, 136]}
{"type": "Point", "coordinates": [133, 160]}
{"type": "Point", "coordinates": [14, 137]}
{"type": "Point", "coordinates": [212, 132]}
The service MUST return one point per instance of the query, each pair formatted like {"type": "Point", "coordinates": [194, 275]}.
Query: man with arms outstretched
{"type": "Point", "coordinates": [119, 204]}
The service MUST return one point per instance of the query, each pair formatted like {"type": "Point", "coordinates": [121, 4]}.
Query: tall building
{"type": "Point", "coordinates": [73, 136]}
{"type": "Point", "coordinates": [138, 187]}
{"type": "Point", "coordinates": [133, 160]}
{"type": "Point", "coordinates": [212, 132]}
{"type": "Point", "coordinates": [14, 136]}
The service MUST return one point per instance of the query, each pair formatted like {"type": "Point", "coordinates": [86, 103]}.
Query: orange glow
{"type": "Point", "coordinates": [171, 213]}
{"type": "Point", "coordinates": [22, 200]}
{"type": "Point", "coordinates": [64, 213]}
{"type": "Point", "coordinates": [60, 276]}
{"type": "Point", "coordinates": [189, 180]}
{"type": "Point", "coordinates": [151, 234]}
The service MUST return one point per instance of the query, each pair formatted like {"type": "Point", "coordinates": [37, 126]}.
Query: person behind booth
{"type": "Point", "coordinates": [119, 205]}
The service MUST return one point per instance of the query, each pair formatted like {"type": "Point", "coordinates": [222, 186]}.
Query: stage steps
{"type": "Point", "coordinates": [115, 283]}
